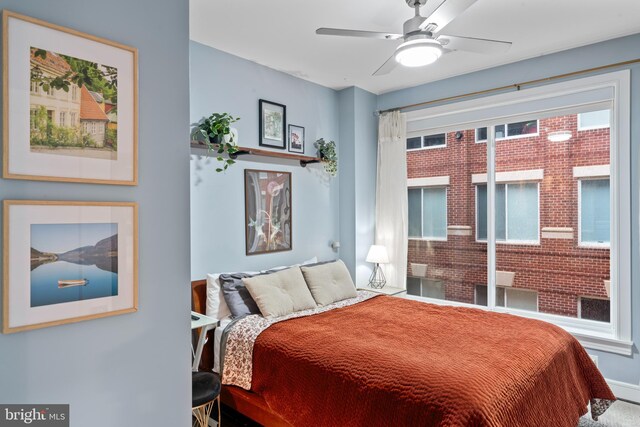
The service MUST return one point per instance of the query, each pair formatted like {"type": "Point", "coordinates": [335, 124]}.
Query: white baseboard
{"type": "Point", "coordinates": [625, 391]}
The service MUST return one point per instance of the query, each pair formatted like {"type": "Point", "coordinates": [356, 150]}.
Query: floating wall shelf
{"type": "Point", "coordinates": [304, 160]}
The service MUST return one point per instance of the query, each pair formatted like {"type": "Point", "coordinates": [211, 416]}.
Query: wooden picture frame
{"type": "Point", "coordinates": [272, 120]}
{"type": "Point", "coordinates": [268, 211]}
{"type": "Point", "coordinates": [81, 95]}
{"type": "Point", "coordinates": [66, 262]}
{"type": "Point", "coordinates": [296, 139]}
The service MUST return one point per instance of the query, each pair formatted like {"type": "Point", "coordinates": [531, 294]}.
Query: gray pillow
{"type": "Point", "coordinates": [236, 294]}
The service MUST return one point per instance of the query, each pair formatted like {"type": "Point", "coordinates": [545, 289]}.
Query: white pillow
{"type": "Point", "coordinates": [216, 305]}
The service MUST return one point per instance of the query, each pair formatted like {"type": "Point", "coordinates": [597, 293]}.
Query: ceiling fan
{"type": "Point", "coordinates": [423, 43]}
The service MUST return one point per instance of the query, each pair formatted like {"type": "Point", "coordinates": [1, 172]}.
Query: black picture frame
{"type": "Point", "coordinates": [298, 148]}
{"type": "Point", "coordinates": [272, 129]}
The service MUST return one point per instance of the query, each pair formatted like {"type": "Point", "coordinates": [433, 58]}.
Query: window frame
{"type": "Point", "coordinates": [603, 91]}
{"type": "Point", "coordinates": [422, 147]}
{"type": "Point", "coordinates": [591, 245]}
{"type": "Point", "coordinates": [508, 241]}
{"type": "Point", "coordinates": [446, 214]}
{"type": "Point", "coordinates": [506, 127]}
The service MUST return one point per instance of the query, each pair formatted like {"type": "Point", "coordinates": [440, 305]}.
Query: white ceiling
{"type": "Point", "coordinates": [281, 34]}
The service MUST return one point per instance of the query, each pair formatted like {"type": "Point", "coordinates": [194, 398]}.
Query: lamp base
{"type": "Point", "coordinates": [377, 279]}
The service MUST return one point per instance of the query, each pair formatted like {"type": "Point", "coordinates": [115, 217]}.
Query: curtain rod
{"type": "Point", "coordinates": [516, 86]}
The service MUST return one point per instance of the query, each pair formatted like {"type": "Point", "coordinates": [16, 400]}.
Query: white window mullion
{"type": "Point", "coordinates": [421, 214]}
{"type": "Point", "coordinates": [491, 218]}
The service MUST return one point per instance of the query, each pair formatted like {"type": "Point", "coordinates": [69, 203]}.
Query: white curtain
{"type": "Point", "coordinates": [391, 196]}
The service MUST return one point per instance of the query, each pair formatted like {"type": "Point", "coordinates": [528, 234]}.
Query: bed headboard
{"type": "Point", "coordinates": [199, 304]}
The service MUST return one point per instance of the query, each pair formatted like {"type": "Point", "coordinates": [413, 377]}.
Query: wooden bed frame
{"type": "Point", "coordinates": [247, 403]}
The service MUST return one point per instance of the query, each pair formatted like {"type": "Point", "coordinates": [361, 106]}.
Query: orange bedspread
{"type": "Point", "coordinates": [396, 362]}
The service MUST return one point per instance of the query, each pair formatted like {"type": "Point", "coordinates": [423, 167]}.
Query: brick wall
{"type": "Point", "coordinates": [558, 269]}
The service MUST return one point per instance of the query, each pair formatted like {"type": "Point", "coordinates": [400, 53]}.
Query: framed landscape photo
{"type": "Point", "coordinates": [267, 211]}
{"type": "Point", "coordinates": [70, 105]}
{"type": "Point", "coordinates": [273, 122]}
{"type": "Point", "coordinates": [296, 139]}
{"type": "Point", "coordinates": [67, 262]}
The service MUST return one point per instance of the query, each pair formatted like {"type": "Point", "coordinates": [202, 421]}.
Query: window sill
{"type": "Point", "coordinates": [599, 337]}
{"type": "Point", "coordinates": [428, 239]}
{"type": "Point", "coordinates": [409, 150]}
{"type": "Point", "coordinates": [513, 242]}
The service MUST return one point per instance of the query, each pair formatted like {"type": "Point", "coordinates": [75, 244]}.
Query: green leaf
{"type": "Point", "coordinates": [218, 170]}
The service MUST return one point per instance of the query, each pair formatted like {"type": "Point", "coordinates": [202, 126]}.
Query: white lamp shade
{"type": "Point", "coordinates": [378, 254]}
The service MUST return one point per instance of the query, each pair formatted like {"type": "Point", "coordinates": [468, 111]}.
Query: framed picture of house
{"type": "Point", "coordinates": [267, 211]}
{"type": "Point", "coordinates": [296, 139]}
{"type": "Point", "coordinates": [68, 261]}
{"type": "Point", "coordinates": [70, 105]}
{"type": "Point", "coordinates": [273, 124]}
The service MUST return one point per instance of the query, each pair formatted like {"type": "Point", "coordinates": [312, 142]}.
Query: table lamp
{"type": "Point", "coordinates": [377, 255]}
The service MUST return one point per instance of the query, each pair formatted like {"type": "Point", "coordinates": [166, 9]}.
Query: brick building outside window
{"type": "Point", "coordinates": [552, 216]}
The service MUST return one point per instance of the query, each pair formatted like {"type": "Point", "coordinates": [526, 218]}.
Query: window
{"type": "Point", "coordinates": [74, 92]}
{"type": "Point", "coordinates": [413, 143]}
{"type": "Point", "coordinates": [428, 288]}
{"type": "Point", "coordinates": [34, 87]}
{"type": "Point", "coordinates": [63, 117]}
{"type": "Point", "coordinates": [594, 309]}
{"type": "Point", "coordinates": [517, 212]}
{"type": "Point", "coordinates": [427, 141]}
{"type": "Point", "coordinates": [594, 120]}
{"type": "Point", "coordinates": [93, 127]}
{"type": "Point", "coordinates": [594, 212]}
{"type": "Point", "coordinates": [519, 299]}
{"type": "Point", "coordinates": [580, 197]}
{"type": "Point", "coordinates": [523, 129]}
{"type": "Point", "coordinates": [73, 119]}
{"type": "Point", "coordinates": [428, 213]}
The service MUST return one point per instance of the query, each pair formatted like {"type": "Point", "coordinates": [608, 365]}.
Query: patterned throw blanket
{"type": "Point", "coordinates": [391, 361]}
{"type": "Point", "coordinates": [240, 336]}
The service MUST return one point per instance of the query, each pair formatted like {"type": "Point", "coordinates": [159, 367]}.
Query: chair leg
{"type": "Point", "coordinates": [202, 414]}
{"type": "Point", "coordinates": [219, 412]}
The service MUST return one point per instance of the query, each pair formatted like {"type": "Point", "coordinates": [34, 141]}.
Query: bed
{"type": "Point", "coordinates": [380, 360]}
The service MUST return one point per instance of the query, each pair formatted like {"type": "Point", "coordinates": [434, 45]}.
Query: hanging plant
{"type": "Point", "coordinates": [328, 155]}
{"type": "Point", "coordinates": [216, 133]}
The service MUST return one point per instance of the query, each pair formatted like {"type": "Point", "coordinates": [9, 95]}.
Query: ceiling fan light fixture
{"type": "Point", "coordinates": [418, 53]}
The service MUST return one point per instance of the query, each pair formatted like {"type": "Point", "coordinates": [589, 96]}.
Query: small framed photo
{"type": "Point", "coordinates": [267, 211]}
{"type": "Point", "coordinates": [273, 122]}
{"type": "Point", "coordinates": [67, 262]}
{"type": "Point", "coordinates": [70, 105]}
{"type": "Point", "coordinates": [296, 139]}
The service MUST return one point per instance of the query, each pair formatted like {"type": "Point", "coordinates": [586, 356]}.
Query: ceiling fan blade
{"type": "Point", "coordinates": [387, 67]}
{"type": "Point", "coordinates": [445, 13]}
{"type": "Point", "coordinates": [358, 33]}
{"type": "Point", "coordinates": [471, 44]}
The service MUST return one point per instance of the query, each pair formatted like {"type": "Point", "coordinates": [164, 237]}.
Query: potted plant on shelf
{"type": "Point", "coordinates": [217, 134]}
{"type": "Point", "coordinates": [328, 155]}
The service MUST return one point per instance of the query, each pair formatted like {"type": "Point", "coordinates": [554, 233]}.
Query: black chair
{"type": "Point", "coordinates": [205, 391]}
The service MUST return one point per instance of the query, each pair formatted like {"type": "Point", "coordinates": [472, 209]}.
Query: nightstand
{"type": "Point", "coordinates": [206, 323]}
{"type": "Point", "coordinates": [387, 290]}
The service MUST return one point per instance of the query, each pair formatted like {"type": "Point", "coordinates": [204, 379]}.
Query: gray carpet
{"type": "Point", "coordinates": [620, 414]}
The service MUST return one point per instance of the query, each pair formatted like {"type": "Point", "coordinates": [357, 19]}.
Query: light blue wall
{"type": "Point", "coordinates": [131, 369]}
{"type": "Point", "coordinates": [358, 135]}
{"type": "Point", "coordinates": [221, 82]}
{"type": "Point", "coordinates": [615, 367]}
